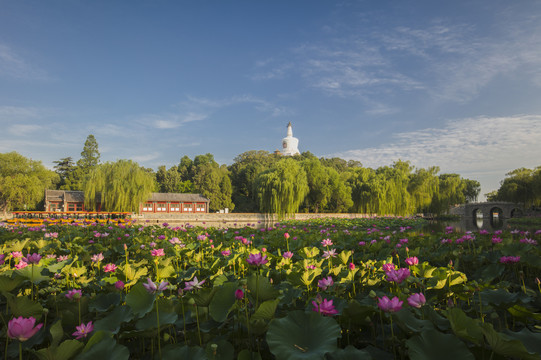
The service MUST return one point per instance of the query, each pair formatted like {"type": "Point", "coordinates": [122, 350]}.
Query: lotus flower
{"type": "Point", "coordinates": [109, 268]}
{"type": "Point", "coordinates": [151, 287]}
{"type": "Point", "coordinates": [257, 259]}
{"type": "Point", "coordinates": [83, 330]}
{"type": "Point", "coordinates": [390, 305]}
{"type": "Point", "coordinates": [157, 252]}
{"type": "Point", "coordinates": [325, 283]}
{"type": "Point", "coordinates": [239, 294]}
{"type": "Point", "coordinates": [416, 300]}
{"type": "Point", "coordinates": [22, 329]}
{"type": "Point", "coordinates": [324, 307]}
{"type": "Point", "coordinates": [74, 294]}
{"type": "Point", "coordinates": [32, 259]}
{"type": "Point", "coordinates": [412, 261]}
{"type": "Point", "coordinates": [194, 284]}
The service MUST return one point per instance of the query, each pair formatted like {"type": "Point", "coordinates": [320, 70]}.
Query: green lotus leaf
{"type": "Point", "coordinates": [509, 346]}
{"type": "Point", "coordinates": [266, 310]}
{"type": "Point", "coordinates": [104, 302]}
{"type": "Point", "coordinates": [302, 335]}
{"type": "Point", "coordinates": [222, 301]}
{"type": "Point", "coordinates": [407, 321]}
{"type": "Point", "coordinates": [349, 353]}
{"type": "Point", "coordinates": [530, 340]}
{"type": "Point", "coordinates": [432, 344]}
{"type": "Point", "coordinates": [260, 285]}
{"type": "Point", "coordinates": [65, 351]}
{"type": "Point", "coordinates": [163, 272]}
{"type": "Point", "coordinates": [56, 333]}
{"type": "Point", "coordinates": [149, 321]}
{"type": "Point", "coordinates": [248, 355]}
{"type": "Point", "coordinates": [7, 284]}
{"type": "Point", "coordinates": [310, 252]}
{"type": "Point", "coordinates": [357, 313]}
{"type": "Point", "coordinates": [465, 327]}
{"type": "Point", "coordinates": [23, 306]}
{"type": "Point", "coordinates": [105, 348]}
{"type": "Point", "coordinates": [114, 320]}
{"type": "Point", "coordinates": [177, 351]}
{"type": "Point", "coordinates": [224, 350]}
{"type": "Point", "coordinates": [34, 275]}
{"type": "Point", "coordinates": [521, 312]}
{"type": "Point", "coordinates": [204, 296]}
{"type": "Point", "coordinates": [139, 300]}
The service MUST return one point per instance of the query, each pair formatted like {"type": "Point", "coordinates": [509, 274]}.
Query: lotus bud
{"type": "Point", "coordinates": [372, 294]}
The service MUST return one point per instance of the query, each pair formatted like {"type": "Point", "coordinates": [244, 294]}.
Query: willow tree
{"type": "Point", "coordinates": [282, 188]}
{"type": "Point", "coordinates": [120, 186]}
{"type": "Point", "coordinates": [23, 182]}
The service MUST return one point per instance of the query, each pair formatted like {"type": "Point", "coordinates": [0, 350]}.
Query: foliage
{"type": "Point", "coordinates": [23, 182]}
{"type": "Point", "coordinates": [476, 305]}
{"type": "Point", "coordinates": [119, 186]}
{"type": "Point", "coordinates": [520, 186]}
{"type": "Point", "coordinates": [282, 188]}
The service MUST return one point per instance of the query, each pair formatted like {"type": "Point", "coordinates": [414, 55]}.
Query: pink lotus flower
{"type": "Point", "coordinates": [83, 330]}
{"type": "Point", "coordinates": [226, 252]}
{"type": "Point", "coordinates": [109, 268]}
{"type": "Point", "coordinates": [388, 305]}
{"type": "Point", "coordinates": [22, 329]}
{"type": "Point", "coordinates": [16, 254]}
{"type": "Point", "coordinates": [287, 255]}
{"type": "Point", "coordinates": [62, 258]}
{"type": "Point", "coordinates": [329, 253]}
{"type": "Point", "coordinates": [325, 283]}
{"type": "Point", "coordinates": [157, 252]}
{"type": "Point", "coordinates": [2, 259]}
{"type": "Point", "coordinates": [286, 235]}
{"type": "Point", "coordinates": [509, 259]}
{"type": "Point", "coordinates": [397, 276]}
{"type": "Point", "coordinates": [327, 242]}
{"type": "Point", "coordinates": [257, 259]}
{"type": "Point", "coordinates": [21, 265]}
{"type": "Point", "coordinates": [239, 294]}
{"type": "Point", "coordinates": [151, 287]}
{"type": "Point", "coordinates": [32, 259]}
{"type": "Point", "coordinates": [351, 266]}
{"type": "Point", "coordinates": [325, 307]}
{"type": "Point", "coordinates": [119, 285]}
{"type": "Point", "coordinates": [412, 261]}
{"type": "Point", "coordinates": [74, 294]}
{"type": "Point", "coordinates": [194, 284]}
{"type": "Point", "coordinates": [388, 267]}
{"type": "Point", "coordinates": [416, 300]}
{"type": "Point", "coordinates": [496, 240]}
{"type": "Point", "coordinates": [97, 257]}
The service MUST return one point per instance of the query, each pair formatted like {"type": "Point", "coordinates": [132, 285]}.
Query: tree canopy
{"type": "Point", "coordinates": [120, 186]}
{"type": "Point", "coordinates": [23, 182]}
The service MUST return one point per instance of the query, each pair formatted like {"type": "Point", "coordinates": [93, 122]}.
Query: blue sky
{"type": "Point", "coordinates": [456, 84]}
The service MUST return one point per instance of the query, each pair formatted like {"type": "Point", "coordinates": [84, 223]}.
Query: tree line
{"type": "Point", "coordinates": [257, 181]}
{"type": "Point", "coordinates": [521, 186]}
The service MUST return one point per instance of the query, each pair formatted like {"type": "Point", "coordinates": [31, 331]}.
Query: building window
{"type": "Point", "coordinates": [55, 206]}
{"type": "Point", "coordinates": [161, 207]}
{"type": "Point", "coordinates": [187, 207]}
{"type": "Point", "coordinates": [79, 207]}
{"type": "Point", "coordinates": [174, 207]}
{"type": "Point", "coordinates": [148, 207]}
{"type": "Point", "coordinates": [200, 208]}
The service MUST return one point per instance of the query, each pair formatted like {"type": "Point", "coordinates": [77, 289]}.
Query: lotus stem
{"type": "Point", "coordinates": [20, 350]}
{"type": "Point", "coordinates": [158, 322]}
{"type": "Point", "coordinates": [198, 328]}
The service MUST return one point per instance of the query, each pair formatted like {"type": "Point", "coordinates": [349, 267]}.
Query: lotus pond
{"type": "Point", "coordinates": [326, 289]}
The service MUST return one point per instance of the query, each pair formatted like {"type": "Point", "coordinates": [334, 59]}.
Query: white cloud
{"type": "Point", "coordinates": [169, 121]}
{"type": "Point", "coordinates": [14, 66]}
{"type": "Point", "coordinates": [23, 129]}
{"type": "Point", "coordinates": [482, 147]}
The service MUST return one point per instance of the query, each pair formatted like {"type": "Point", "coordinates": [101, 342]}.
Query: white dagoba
{"type": "Point", "coordinates": [289, 143]}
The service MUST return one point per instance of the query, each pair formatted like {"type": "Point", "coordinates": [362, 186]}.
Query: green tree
{"type": "Point", "coordinates": [122, 186]}
{"type": "Point", "coordinates": [209, 180]}
{"type": "Point", "coordinates": [471, 190]}
{"type": "Point", "coordinates": [423, 187]}
{"type": "Point", "coordinates": [243, 174]}
{"type": "Point", "coordinates": [282, 188]}
{"type": "Point", "coordinates": [64, 168]}
{"type": "Point", "coordinates": [320, 189]}
{"type": "Point", "coordinates": [23, 182]}
{"type": "Point", "coordinates": [90, 156]}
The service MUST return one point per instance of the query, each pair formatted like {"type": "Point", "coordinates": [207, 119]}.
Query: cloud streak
{"type": "Point", "coordinates": [14, 66]}
{"type": "Point", "coordinates": [473, 146]}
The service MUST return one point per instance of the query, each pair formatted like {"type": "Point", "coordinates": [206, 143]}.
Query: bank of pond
{"type": "Point", "coordinates": [379, 288]}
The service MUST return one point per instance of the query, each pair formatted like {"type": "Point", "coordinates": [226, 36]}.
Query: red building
{"type": "Point", "coordinates": [73, 201]}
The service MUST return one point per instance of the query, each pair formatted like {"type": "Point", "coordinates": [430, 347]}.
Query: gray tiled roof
{"type": "Point", "coordinates": [178, 197]}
